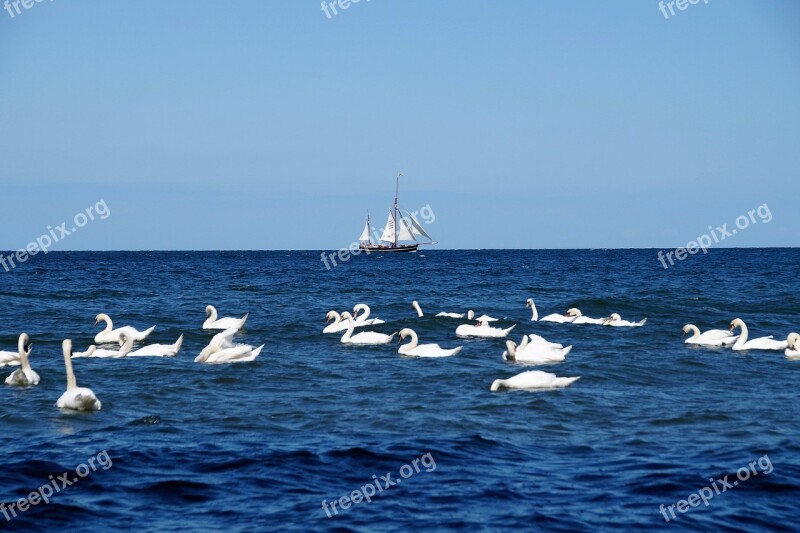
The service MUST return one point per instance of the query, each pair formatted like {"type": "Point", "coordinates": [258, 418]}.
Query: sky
{"type": "Point", "coordinates": [270, 125]}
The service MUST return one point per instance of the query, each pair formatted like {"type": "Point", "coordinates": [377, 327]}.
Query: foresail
{"type": "Point", "coordinates": [365, 234]}
{"type": "Point", "coordinates": [388, 233]}
{"type": "Point", "coordinates": [416, 228]}
{"type": "Point", "coordinates": [405, 233]}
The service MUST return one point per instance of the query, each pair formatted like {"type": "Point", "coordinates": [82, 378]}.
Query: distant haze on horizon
{"type": "Point", "coordinates": [248, 126]}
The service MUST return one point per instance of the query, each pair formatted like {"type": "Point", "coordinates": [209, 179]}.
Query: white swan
{"type": "Point", "coordinates": [158, 350]}
{"type": "Point", "coordinates": [554, 317]}
{"type": "Point", "coordinates": [533, 380]}
{"type": "Point", "coordinates": [418, 309]}
{"type": "Point", "coordinates": [364, 338]}
{"type": "Point", "coordinates": [14, 358]}
{"type": "Point", "coordinates": [220, 341]}
{"type": "Point", "coordinates": [75, 398]}
{"type": "Point", "coordinates": [109, 335]}
{"type": "Point", "coordinates": [616, 321]}
{"type": "Point", "coordinates": [482, 318]}
{"type": "Point", "coordinates": [535, 352]}
{"type": "Point", "coordinates": [533, 339]}
{"type": "Point", "coordinates": [761, 343]}
{"type": "Point", "coordinates": [240, 353]}
{"type": "Point", "coordinates": [482, 329]}
{"type": "Point", "coordinates": [712, 337]}
{"type": "Point", "coordinates": [364, 319]}
{"type": "Point", "coordinates": [793, 346]}
{"type": "Point", "coordinates": [423, 350]}
{"type": "Point", "coordinates": [24, 376]}
{"type": "Point", "coordinates": [103, 353]}
{"type": "Point", "coordinates": [212, 322]}
{"type": "Point", "coordinates": [578, 318]}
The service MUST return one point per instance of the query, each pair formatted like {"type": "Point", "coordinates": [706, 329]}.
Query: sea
{"type": "Point", "coordinates": [315, 435]}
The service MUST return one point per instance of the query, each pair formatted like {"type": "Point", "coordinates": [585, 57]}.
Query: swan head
{"type": "Point", "coordinates": [793, 340]}
{"type": "Point", "coordinates": [24, 344]}
{"type": "Point", "coordinates": [66, 347]}
{"type": "Point", "coordinates": [405, 332]}
{"type": "Point", "coordinates": [613, 318]}
{"type": "Point", "coordinates": [470, 314]}
{"type": "Point", "coordinates": [529, 303]}
{"type": "Point", "coordinates": [496, 384]}
{"type": "Point", "coordinates": [331, 316]}
{"type": "Point", "coordinates": [210, 310]}
{"type": "Point", "coordinates": [511, 348]}
{"type": "Point", "coordinates": [102, 317]}
{"type": "Point", "coordinates": [737, 323]}
{"type": "Point", "coordinates": [687, 329]}
{"type": "Point", "coordinates": [574, 311]}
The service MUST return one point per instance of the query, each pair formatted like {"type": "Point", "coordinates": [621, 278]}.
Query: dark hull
{"type": "Point", "coordinates": [374, 248]}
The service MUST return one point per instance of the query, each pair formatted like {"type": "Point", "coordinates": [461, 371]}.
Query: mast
{"type": "Point", "coordinates": [396, 194]}
{"type": "Point", "coordinates": [369, 237]}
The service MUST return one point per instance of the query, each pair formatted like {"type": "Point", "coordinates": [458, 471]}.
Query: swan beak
{"type": "Point", "coordinates": [683, 334]}
{"type": "Point", "coordinates": [732, 328]}
{"type": "Point", "coordinates": [96, 321]}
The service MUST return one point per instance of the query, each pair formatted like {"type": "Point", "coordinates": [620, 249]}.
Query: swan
{"type": "Point", "coordinates": [14, 358]}
{"type": "Point", "coordinates": [482, 330]}
{"type": "Point", "coordinates": [75, 398]}
{"type": "Point", "coordinates": [24, 376]}
{"type": "Point", "coordinates": [418, 309]}
{"type": "Point", "coordinates": [212, 322]}
{"type": "Point", "coordinates": [793, 348]}
{"type": "Point", "coordinates": [555, 317]}
{"type": "Point", "coordinates": [535, 352]}
{"type": "Point", "coordinates": [533, 380]}
{"type": "Point", "coordinates": [423, 350]}
{"type": "Point", "coordinates": [365, 337]}
{"type": "Point", "coordinates": [712, 337]}
{"type": "Point", "coordinates": [109, 335]}
{"type": "Point", "coordinates": [240, 353]}
{"type": "Point", "coordinates": [616, 320]}
{"type": "Point", "coordinates": [158, 350]}
{"type": "Point", "coordinates": [103, 353]}
{"type": "Point", "coordinates": [482, 318]}
{"type": "Point", "coordinates": [761, 343]}
{"type": "Point", "coordinates": [364, 319]}
{"type": "Point", "coordinates": [578, 318]}
{"type": "Point", "coordinates": [220, 341]}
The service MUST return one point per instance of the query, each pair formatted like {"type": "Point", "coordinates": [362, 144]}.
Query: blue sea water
{"type": "Point", "coordinates": [260, 446]}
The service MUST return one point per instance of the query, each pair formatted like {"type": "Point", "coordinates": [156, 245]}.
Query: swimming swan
{"type": "Point", "coordinates": [364, 319]}
{"type": "Point", "coordinates": [578, 318]}
{"type": "Point", "coordinates": [75, 398]}
{"type": "Point", "coordinates": [212, 322]}
{"type": "Point", "coordinates": [102, 353]}
{"type": "Point", "coordinates": [554, 317]}
{"type": "Point", "coordinates": [158, 350]}
{"type": "Point", "coordinates": [14, 358]}
{"type": "Point", "coordinates": [536, 352]}
{"type": "Point", "coordinates": [240, 353]}
{"type": "Point", "coordinates": [418, 309]}
{"type": "Point", "coordinates": [423, 350]}
{"type": "Point", "coordinates": [24, 376]}
{"type": "Point", "coordinates": [793, 348]}
{"type": "Point", "coordinates": [712, 337]}
{"type": "Point", "coordinates": [109, 335]}
{"type": "Point", "coordinates": [533, 380]}
{"type": "Point", "coordinates": [482, 330]}
{"type": "Point", "coordinates": [761, 343]}
{"type": "Point", "coordinates": [220, 341]}
{"type": "Point", "coordinates": [482, 318]}
{"type": "Point", "coordinates": [364, 338]}
{"type": "Point", "coordinates": [616, 321]}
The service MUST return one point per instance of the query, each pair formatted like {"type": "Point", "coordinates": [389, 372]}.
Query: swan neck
{"type": "Point", "coordinates": [695, 332]}
{"type": "Point", "coordinates": [535, 311]}
{"type": "Point", "coordinates": [71, 382]}
{"type": "Point", "coordinates": [351, 325]}
{"type": "Point", "coordinates": [512, 349]}
{"type": "Point", "coordinates": [414, 341]}
{"type": "Point", "coordinates": [418, 309]}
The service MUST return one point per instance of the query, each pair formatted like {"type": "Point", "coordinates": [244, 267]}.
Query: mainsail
{"type": "Point", "coordinates": [388, 232]}
{"type": "Point", "coordinates": [405, 233]}
{"type": "Point", "coordinates": [365, 233]}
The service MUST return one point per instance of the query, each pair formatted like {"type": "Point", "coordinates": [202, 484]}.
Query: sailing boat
{"type": "Point", "coordinates": [397, 229]}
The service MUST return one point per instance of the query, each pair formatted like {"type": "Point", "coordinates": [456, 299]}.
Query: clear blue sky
{"type": "Point", "coordinates": [266, 125]}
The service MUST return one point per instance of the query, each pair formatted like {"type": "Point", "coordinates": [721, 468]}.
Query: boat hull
{"type": "Point", "coordinates": [376, 248]}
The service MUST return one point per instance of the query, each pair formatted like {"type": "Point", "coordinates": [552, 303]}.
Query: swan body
{"type": "Point", "coordinates": [533, 380]}
{"type": "Point", "coordinates": [423, 350]}
{"type": "Point", "coordinates": [75, 398]}
{"type": "Point", "coordinates": [554, 317]}
{"type": "Point", "coordinates": [418, 309]}
{"type": "Point", "coordinates": [793, 346]}
{"type": "Point", "coordinates": [221, 341]}
{"type": "Point", "coordinates": [23, 376]}
{"type": "Point", "coordinates": [616, 321]}
{"type": "Point", "coordinates": [158, 350]}
{"type": "Point", "coordinates": [104, 353]}
{"type": "Point", "coordinates": [535, 352]}
{"type": "Point", "coordinates": [15, 358]}
{"type": "Point", "coordinates": [578, 318]}
{"type": "Point", "coordinates": [712, 337]}
{"type": "Point", "coordinates": [241, 353]}
{"type": "Point", "coordinates": [761, 343]}
{"type": "Point", "coordinates": [482, 318]}
{"type": "Point", "coordinates": [212, 322]}
{"type": "Point", "coordinates": [364, 338]}
{"type": "Point", "coordinates": [364, 319]}
{"type": "Point", "coordinates": [109, 335]}
{"type": "Point", "coordinates": [482, 330]}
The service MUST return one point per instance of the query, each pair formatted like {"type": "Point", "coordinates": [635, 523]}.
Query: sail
{"type": "Point", "coordinates": [405, 233]}
{"type": "Point", "coordinates": [416, 228]}
{"type": "Point", "coordinates": [388, 233]}
{"type": "Point", "coordinates": [365, 233]}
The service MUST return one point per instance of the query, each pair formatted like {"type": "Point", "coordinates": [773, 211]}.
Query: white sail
{"type": "Point", "coordinates": [416, 228]}
{"type": "Point", "coordinates": [405, 233]}
{"type": "Point", "coordinates": [365, 233]}
{"type": "Point", "coordinates": [388, 232]}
